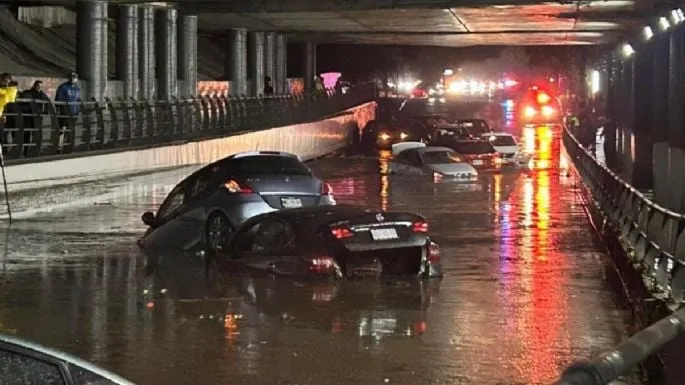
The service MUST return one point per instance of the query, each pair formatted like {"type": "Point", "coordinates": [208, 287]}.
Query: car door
{"type": "Point", "coordinates": [167, 224]}
{"type": "Point", "coordinates": [192, 218]}
{"type": "Point", "coordinates": [414, 164]}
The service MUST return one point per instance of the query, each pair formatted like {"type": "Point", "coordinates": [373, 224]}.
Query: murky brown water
{"type": "Point", "coordinates": [523, 296]}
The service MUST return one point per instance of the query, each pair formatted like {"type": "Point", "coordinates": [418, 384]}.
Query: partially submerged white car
{"type": "Point", "coordinates": [508, 148]}
{"type": "Point", "coordinates": [415, 158]}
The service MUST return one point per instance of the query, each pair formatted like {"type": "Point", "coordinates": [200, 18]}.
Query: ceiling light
{"type": "Point", "coordinates": [627, 50]}
{"type": "Point", "coordinates": [663, 23]}
{"type": "Point", "coordinates": [675, 16]}
{"type": "Point", "coordinates": [647, 32]}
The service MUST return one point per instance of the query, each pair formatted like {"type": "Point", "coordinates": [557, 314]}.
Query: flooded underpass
{"type": "Point", "coordinates": [524, 292]}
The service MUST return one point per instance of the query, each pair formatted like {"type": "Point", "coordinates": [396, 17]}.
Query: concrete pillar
{"type": "Point", "coordinates": [256, 50]}
{"type": "Point", "coordinates": [270, 58]}
{"type": "Point", "coordinates": [127, 49]}
{"type": "Point", "coordinates": [676, 137]}
{"type": "Point", "coordinates": [610, 138]}
{"type": "Point", "coordinates": [166, 60]}
{"type": "Point", "coordinates": [91, 53]}
{"type": "Point", "coordinates": [235, 65]}
{"type": "Point", "coordinates": [618, 107]}
{"type": "Point", "coordinates": [146, 52]}
{"type": "Point", "coordinates": [309, 65]}
{"type": "Point", "coordinates": [627, 111]}
{"type": "Point", "coordinates": [281, 85]}
{"type": "Point", "coordinates": [643, 118]}
{"type": "Point", "coordinates": [187, 54]}
{"type": "Point", "coordinates": [659, 124]}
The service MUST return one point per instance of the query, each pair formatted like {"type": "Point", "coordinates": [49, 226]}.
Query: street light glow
{"type": "Point", "coordinates": [647, 31]}
{"type": "Point", "coordinates": [448, 72]}
{"type": "Point", "coordinates": [594, 82]}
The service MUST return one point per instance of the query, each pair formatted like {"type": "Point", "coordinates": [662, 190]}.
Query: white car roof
{"type": "Point", "coordinates": [497, 134]}
{"type": "Point", "coordinates": [403, 146]}
{"type": "Point", "coordinates": [266, 153]}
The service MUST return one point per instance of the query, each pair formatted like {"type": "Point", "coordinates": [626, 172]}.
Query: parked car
{"type": "Point", "coordinates": [414, 158]}
{"type": "Point", "coordinates": [205, 208]}
{"type": "Point", "coordinates": [23, 362]}
{"type": "Point", "coordinates": [333, 242]}
{"type": "Point", "coordinates": [508, 148]}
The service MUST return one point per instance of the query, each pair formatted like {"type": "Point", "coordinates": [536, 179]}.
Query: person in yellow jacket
{"type": "Point", "coordinates": [8, 92]}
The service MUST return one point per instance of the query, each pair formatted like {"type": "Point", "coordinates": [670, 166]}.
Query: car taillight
{"type": "Point", "coordinates": [420, 227]}
{"type": "Point", "coordinates": [320, 265]}
{"type": "Point", "coordinates": [236, 187]}
{"type": "Point", "coordinates": [341, 232]}
{"type": "Point", "coordinates": [326, 189]}
{"type": "Point", "coordinates": [433, 252]}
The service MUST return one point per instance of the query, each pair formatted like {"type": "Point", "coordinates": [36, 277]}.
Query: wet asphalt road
{"type": "Point", "coordinates": [524, 293]}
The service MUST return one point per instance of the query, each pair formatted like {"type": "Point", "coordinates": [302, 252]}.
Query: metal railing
{"type": "Point", "coordinates": [654, 239]}
{"type": "Point", "coordinates": [38, 128]}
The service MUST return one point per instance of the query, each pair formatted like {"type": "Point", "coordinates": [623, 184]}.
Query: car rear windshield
{"type": "Point", "coordinates": [474, 148]}
{"type": "Point", "coordinates": [502, 140]}
{"type": "Point", "coordinates": [270, 164]}
{"type": "Point", "coordinates": [440, 157]}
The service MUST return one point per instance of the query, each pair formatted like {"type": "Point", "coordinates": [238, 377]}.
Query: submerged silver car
{"type": "Point", "coordinates": [205, 208]}
{"type": "Point", "coordinates": [24, 362]}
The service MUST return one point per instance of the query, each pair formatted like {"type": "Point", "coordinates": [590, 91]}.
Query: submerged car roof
{"type": "Point", "coordinates": [19, 342]}
{"type": "Point", "coordinates": [421, 150]}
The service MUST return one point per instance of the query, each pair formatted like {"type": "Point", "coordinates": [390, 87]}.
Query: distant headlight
{"type": "Point", "coordinates": [547, 111]}
{"type": "Point", "coordinates": [431, 100]}
{"type": "Point", "coordinates": [403, 136]}
{"type": "Point", "coordinates": [530, 112]}
{"type": "Point", "coordinates": [443, 100]}
{"type": "Point", "coordinates": [384, 136]}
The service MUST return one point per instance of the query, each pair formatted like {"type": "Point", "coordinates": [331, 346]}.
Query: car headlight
{"type": "Point", "coordinates": [443, 100]}
{"type": "Point", "coordinates": [547, 111]}
{"type": "Point", "coordinates": [384, 136]}
{"type": "Point", "coordinates": [403, 136]}
{"type": "Point", "coordinates": [431, 100]}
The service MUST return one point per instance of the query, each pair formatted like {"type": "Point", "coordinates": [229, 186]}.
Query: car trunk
{"type": "Point", "coordinates": [282, 191]}
{"type": "Point", "coordinates": [396, 262]}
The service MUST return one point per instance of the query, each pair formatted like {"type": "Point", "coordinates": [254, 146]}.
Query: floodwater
{"type": "Point", "coordinates": [524, 293]}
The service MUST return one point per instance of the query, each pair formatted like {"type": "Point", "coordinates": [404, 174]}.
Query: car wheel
{"type": "Point", "coordinates": [217, 232]}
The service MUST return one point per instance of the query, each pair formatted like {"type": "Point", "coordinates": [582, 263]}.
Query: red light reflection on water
{"type": "Point", "coordinates": [531, 271]}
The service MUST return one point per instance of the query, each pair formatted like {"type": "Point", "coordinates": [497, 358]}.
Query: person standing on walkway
{"type": "Point", "coordinates": [67, 100]}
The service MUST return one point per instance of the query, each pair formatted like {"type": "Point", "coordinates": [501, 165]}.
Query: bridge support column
{"type": "Point", "coordinates": [676, 137]}
{"type": "Point", "coordinates": [167, 54]}
{"type": "Point", "coordinates": [281, 82]}
{"type": "Point", "coordinates": [627, 114]}
{"type": "Point", "coordinates": [146, 52]}
{"type": "Point", "coordinates": [270, 58]}
{"type": "Point", "coordinates": [256, 50]}
{"type": "Point", "coordinates": [309, 65]}
{"type": "Point", "coordinates": [127, 49]}
{"type": "Point", "coordinates": [610, 138]}
{"type": "Point", "coordinates": [643, 117]}
{"type": "Point", "coordinates": [91, 47]}
{"type": "Point", "coordinates": [187, 55]}
{"type": "Point", "coordinates": [235, 66]}
{"type": "Point", "coordinates": [659, 125]}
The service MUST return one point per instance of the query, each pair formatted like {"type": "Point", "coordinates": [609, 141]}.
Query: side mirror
{"type": "Point", "coordinates": [149, 219]}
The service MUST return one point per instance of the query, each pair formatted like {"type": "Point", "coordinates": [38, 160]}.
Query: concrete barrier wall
{"type": "Point", "coordinates": [308, 140]}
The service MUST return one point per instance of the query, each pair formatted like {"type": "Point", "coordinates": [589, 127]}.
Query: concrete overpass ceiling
{"type": "Point", "coordinates": [546, 23]}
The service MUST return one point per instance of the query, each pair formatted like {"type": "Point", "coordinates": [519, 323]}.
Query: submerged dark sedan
{"type": "Point", "coordinates": [335, 242]}
{"type": "Point", "coordinates": [205, 208]}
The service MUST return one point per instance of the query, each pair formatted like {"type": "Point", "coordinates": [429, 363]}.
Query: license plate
{"type": "Point", "coordinates": [383, 234]}
{"type": "Point", "coordinates": [477, 162]}
{"type": "Point", "coordinates": [291, 203]}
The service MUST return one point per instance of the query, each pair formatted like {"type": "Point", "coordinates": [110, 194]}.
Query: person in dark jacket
{"type": "Point", "coordinates": [68, 96]}
{"type": "Point", "coordinates": [268, 86]}
{"type": "Point", "coordinates": [34, 104]}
